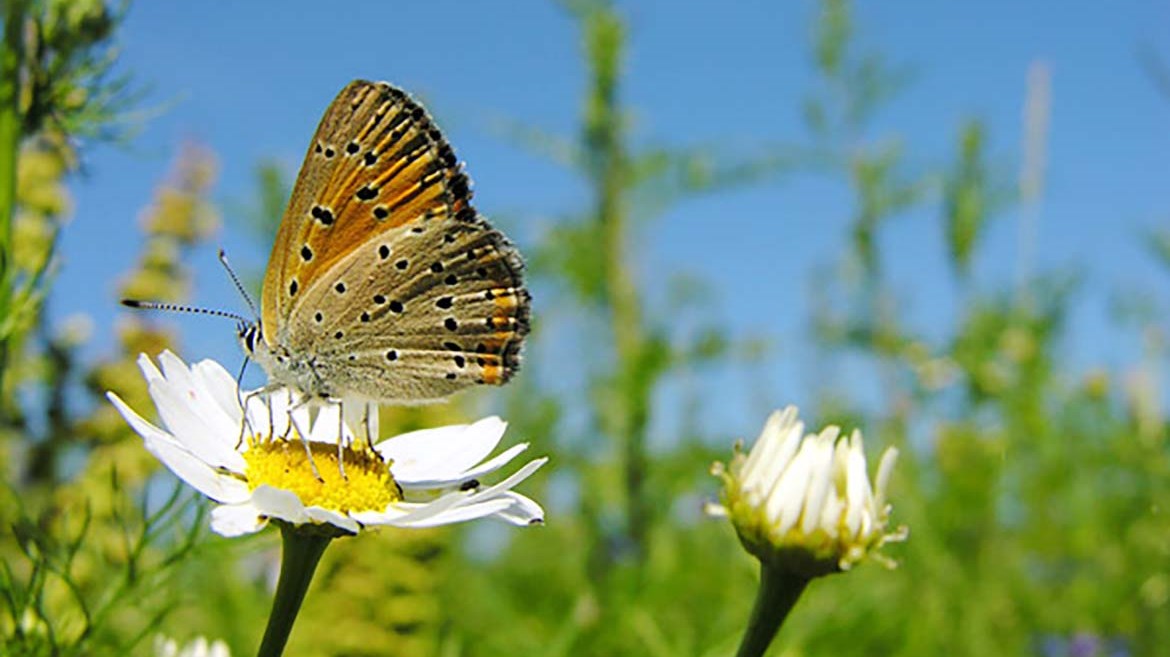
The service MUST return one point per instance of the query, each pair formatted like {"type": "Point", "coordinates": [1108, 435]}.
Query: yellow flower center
{"type": "Point", "coordinates": [365, 483]}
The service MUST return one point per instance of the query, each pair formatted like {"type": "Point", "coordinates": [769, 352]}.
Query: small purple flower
{"type": "Point", "coordinates": [1085, 644]}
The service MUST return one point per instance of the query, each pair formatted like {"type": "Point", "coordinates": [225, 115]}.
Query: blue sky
{"type": "Point", "coordinates": [251, 80]}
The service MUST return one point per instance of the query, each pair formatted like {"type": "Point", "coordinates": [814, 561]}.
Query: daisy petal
{"type": "Point", "coordinates": [181, 380]}
{"type": "Point", "coordinates": [328, 424]}
{"type": "Point", "coordinates": [278, 503]}
{"type": "Point", "coordinates": [231, 520]}
{"type": "Point", "coordinates": [323, 516]}
{"type": "Point", "coordinates": [496, 462]}
{"type": "Point", "coordinates": [361, 420]}
{"type": "Point", "coordinates": [487, 467]}
{"type": "Point", "coordinates": [269, 411]}
{"type": "Point", "coordinates": [443, 453]}
{"type": "Point", "coordinates": [242, 449]}
{"type": "Point", "coordinates": [186, 466]}
{"type": "Point", "coordinates": [403, 514]}
{"type": "Point", "coordinates": [522, 511]}
{"type": "Point", "coordinates": [461, 513]}
{"type": "Point", "coordinates": [174, 369]}
{"type": "Point", "coordinates": [219, 385]}
{"type": "Point", "coordinates": [510, 482]}
{"type": "Point", "coordinates": [149, 370]}
{"type": "Point", "coordinates": [191, 426]}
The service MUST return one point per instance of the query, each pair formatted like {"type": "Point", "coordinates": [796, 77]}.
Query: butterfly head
{"type": "Point", "coordinates": [282, 366]}
{"type": "Point", "coordinates": [250, 338]}
{"type": "Point", "coordinates": [256, 348]}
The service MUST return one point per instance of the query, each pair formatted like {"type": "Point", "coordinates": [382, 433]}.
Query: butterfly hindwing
{"type": "Point", "coordinates": [441, 312]}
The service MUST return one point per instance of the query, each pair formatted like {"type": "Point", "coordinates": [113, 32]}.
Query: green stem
{"type": "Point", "coordinates": [301, 550]}
{"type": "Point", "coordinates": [610, 172]}
{"type": "Point", "coordinates": [11, 54]}
{"type": "Point", "coordinates": [779, 590]}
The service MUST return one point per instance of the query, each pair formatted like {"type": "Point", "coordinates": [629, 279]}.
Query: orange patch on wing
{"type": "Point", "coordinates": [493, 374]}
{"type": "Point", "coordinates": [492, 371]}
{"type": "Point", "coordinates": [504, 297]}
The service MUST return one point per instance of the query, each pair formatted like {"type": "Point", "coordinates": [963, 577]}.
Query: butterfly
{"type": "Point", "coordinates": [384, 284]}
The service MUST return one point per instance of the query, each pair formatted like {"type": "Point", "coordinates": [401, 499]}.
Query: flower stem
{"type": "Point", "coordinates": [300, 552]}
{"type": "Point", "coordinates": [779, 590]}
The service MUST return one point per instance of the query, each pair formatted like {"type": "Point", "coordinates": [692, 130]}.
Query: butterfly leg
{"type": "Point", "coordinates": [366, 414]}
{"type": "Point", "coordinates": [361, 417]}
{"type": "Point", "coordinates": [308, 451]}
{"type": "Point", "coordinates": [246, 421]}
{"type": "Point", "coordinates": [290, 410]}
{"type": "Point", "coordinates": [341, 439]}
{"type": "Point", "coordinates": [242, 400]}
{"type": "Point", "coordinates": [289, 426]}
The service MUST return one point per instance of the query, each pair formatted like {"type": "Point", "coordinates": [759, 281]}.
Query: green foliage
{"type": "Point", "coordinates": [852, 84]}
{"type": "Point", "coordinates": [91, 556]}
{"type": "Point", "coordinates": [55, 60]}
{"type": "Point", "coordinates": [965, 195]}
{"type": "Point", "coordinates": [57, 600]}
{"type": "Point", "coordinates": [1035, 490]}
{"type": "Point", "coordinates": [1021, 487]}
{"type": "Point", "coordinates": [273, 190]}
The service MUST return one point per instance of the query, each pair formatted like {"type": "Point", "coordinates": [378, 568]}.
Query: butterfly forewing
{"type": "Point", "coordinates": [382, 274]}
{"type": "Point", "coordinates": [376, 162]}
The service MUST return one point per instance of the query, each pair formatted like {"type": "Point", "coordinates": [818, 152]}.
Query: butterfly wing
{"type": "Point", "coordinates": [383, 277]}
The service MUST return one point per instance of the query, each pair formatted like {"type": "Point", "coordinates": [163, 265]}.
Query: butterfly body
{"type": "Point", "coordinates": [384, 284]}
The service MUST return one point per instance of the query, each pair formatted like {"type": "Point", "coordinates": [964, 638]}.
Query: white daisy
{"type": "Point", "coordinates": [805, 502]}
{"type": "Point", "coordinates": [256, 468]}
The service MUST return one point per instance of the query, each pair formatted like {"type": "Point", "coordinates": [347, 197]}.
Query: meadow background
{"type": "Point", "coordinates": [946, 225]}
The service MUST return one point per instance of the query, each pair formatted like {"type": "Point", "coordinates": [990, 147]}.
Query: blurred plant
{"type": "Point", "coordinates": [965, 194]}
{"type": "Point", "coordinates": [592, 257]}
{"type": "Point", "coordinates": [199, 647]}
{"type": "Point", "coordinates": [1002, 452]}
{"type": "Point", "coordinates": [1156, 68]}
{"type": "Point", "coordinates": [50, 601]}
{"type": "Point", "coordinates": [180, 218]}
{"type": "Point", "coordinates": [88, 569]}
{"type": "Point", "coordinates": [851, 88]}
{"type": "Point", "coordinates": [55, 86]}
{"type": "Point", "coordinates": [79, 547]}
{"type": "Point", "coordinates": [43, 206]}
{"type": "Point", "coordinates": [1033, 168]}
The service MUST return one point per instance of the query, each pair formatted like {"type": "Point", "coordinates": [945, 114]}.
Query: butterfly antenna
{"type": "Point", "coordinates": [236, 279]}
{"type": "Point", "coordinates": [176, 308]}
